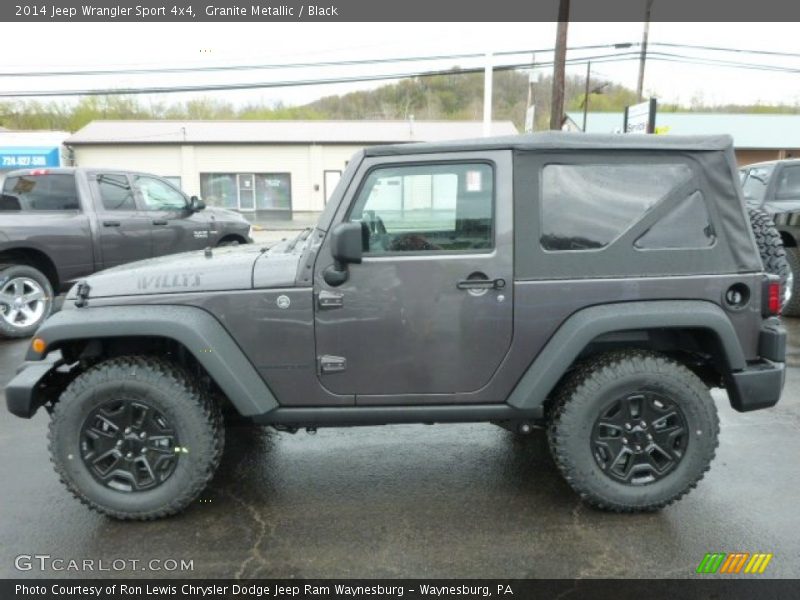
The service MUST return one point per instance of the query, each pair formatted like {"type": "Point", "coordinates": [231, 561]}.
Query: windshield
{"type": "Point", "coordinates": [755, 183]}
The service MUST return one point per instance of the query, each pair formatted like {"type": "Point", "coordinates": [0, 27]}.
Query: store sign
{"type": "Point", "coordinates": [29, 157]}
{"type": "Point", "coordinates": [641, 118]}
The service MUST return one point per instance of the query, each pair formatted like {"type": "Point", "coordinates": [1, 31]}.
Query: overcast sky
{"type": "Point", "coordinates": [54, 46]}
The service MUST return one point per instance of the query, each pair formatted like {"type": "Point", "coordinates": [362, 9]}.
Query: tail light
{"type": "Point", "coordinates": [771, 303]}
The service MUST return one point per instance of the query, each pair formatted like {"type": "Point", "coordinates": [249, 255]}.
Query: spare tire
{"type": "Point", "coordinates": [773, 256]}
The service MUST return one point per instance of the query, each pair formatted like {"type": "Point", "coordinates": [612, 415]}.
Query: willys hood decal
{"type": "Point", "coordinates": [221, 269]}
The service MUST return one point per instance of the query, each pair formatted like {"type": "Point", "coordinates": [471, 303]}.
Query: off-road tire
{"type": "Point", "coordinates": [172, 391]}
{"type": "Point", "coordinates": [792, 308]}
{"type": "Point", "coordinates": [770, 247]}
{"type": "Point", "coordinates": [582, 398]}
{"type": "Point", "coordinates": [12, 272]}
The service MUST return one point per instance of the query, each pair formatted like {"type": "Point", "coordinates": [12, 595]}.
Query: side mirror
{"type": "Point", "coordinates": [196, 204]}
{"type": "Point", "coordinates": [347, 247]}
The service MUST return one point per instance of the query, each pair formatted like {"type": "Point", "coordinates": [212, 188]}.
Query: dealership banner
{"type": "Point", "coordinates": [393, 10]}
{"type": "Point", "coordinates": [335, 589]}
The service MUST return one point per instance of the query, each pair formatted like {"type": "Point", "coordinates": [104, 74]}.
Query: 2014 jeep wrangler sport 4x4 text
{"type": "Point", "coordinates": [595, 285]}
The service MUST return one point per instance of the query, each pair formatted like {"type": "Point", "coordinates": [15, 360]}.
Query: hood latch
{"type": "Point", "coordinates": [82, 294]}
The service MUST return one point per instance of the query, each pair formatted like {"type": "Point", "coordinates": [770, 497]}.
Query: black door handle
{"type": "Point", "coordinates": [160, 222]}
{"type": "Point", "coordinates": [481, 284]}
{"type": "Point", "coordinates": [111, 223]}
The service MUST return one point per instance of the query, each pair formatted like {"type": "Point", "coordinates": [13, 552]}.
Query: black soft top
{"type": "Point", "coordinates": [558, 140]}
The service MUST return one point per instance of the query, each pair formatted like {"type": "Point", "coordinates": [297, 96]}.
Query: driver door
{"type": "Point", "coordinates": [427, 316]}
{"type": "Point", "coordinates": [174, 227]}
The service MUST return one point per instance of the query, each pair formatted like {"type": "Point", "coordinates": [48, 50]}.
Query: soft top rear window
{"type": "Point", "coordinates": [48, 192]}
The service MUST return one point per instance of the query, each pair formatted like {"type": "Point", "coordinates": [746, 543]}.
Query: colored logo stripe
{"type": "Point", "coordinates": [734, 562]}
{"type": "Point", "coordinates": [711, 563]}
{"type": "Point", "coordinates": [758, 563]}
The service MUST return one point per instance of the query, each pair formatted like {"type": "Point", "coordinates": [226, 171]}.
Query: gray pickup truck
{"type": "Point", "coordinates": [774, 189]}
{"type": "Point", "coordinates": [597, 286]}
{"type": "Point", "coordinates": [57, 225]}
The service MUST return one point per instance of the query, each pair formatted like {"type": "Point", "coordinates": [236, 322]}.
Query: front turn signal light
{"type": "Point", "coordinates": [39, 345]}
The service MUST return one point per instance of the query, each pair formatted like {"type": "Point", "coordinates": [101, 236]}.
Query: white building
{"type": "Point", "coordinates": [276, 168]}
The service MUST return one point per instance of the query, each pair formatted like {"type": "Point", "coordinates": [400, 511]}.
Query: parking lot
{"type": "Point", "coordinates": [415, 501]}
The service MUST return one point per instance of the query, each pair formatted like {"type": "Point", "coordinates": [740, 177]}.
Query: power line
{"type": "Point", "coordinates": [287, 83]}
{"type": "Point", "coordinates": [598, 59]}
{"type": "Point", "coordinates": [297, 65]}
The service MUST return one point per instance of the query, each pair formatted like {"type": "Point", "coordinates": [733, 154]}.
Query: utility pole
{"type": "Point", "coordinates": [559, 64]}
{"type": "Point", "coordinates": [643, 55]}
{"type": "Point", "coordinates": [586, 94]}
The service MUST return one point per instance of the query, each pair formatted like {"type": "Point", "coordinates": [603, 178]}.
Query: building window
{"type": "Point", "coordinates": [273, 191]}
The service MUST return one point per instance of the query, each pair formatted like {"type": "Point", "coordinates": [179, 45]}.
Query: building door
{"type": "Point", "coordinates": [247, 198]}
{"type": "Point", "coordinates": [331, 179]}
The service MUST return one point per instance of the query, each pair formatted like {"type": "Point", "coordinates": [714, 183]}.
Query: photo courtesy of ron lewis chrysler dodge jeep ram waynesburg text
{"type": "Point", "coordinates": [58, 225]}
{"type": "Point", "coordinates": [597, 286]}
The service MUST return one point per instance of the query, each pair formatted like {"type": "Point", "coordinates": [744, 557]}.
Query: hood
{"type": "Point", "coordinates": [223, 269]}
{"type": "Point", "coordinates": [219, 212]}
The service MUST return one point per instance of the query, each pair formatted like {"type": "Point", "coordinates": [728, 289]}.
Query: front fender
{"type": "Point", "coordinates": [194, 328]}
{"type": "Point", "coordinates": [585, 325]}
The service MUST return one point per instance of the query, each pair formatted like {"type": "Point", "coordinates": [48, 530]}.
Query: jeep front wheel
{"type": "Point", "coordinates": [633, 431]}
{"type": "Point", "coordinates": [135, 438]}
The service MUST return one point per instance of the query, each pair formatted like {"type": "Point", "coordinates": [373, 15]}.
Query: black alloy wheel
{"type": "Point", "coordinates": [639, 438]}
{"type": "Point", "coordinates": [129, 446]}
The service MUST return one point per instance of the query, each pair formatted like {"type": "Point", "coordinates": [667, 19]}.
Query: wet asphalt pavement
{"type": "Point", "coordinates": [415, 501]}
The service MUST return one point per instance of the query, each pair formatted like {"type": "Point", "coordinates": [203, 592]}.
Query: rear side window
{"type": "Point", "coordinates": [687, 225]}
{"type": "Point", "coordinates": [27, 193]}
{"type": "Point", "coordinates": [587, 207]}
{"type": "Point", "coordinates": [115, 192]}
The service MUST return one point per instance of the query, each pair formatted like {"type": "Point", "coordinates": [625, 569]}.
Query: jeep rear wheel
{"type": "Point", "coordinates": [26, 300]}
{"type": "Point", "coordinates": [633, 431]}
{"type": "Point", "coordinates": [135, 438]}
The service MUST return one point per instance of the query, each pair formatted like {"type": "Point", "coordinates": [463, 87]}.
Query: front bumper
{"type": "Point", "coordinates": [25, 393]}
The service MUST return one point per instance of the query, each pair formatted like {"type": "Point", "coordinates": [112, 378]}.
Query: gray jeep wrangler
{"type": "Point", "coordinates": [597, 286]}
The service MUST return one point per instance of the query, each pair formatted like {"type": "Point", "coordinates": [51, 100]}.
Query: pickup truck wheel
{"type": "Point", "coordinates": [135, 438]}
{"type": "Point", "coordinates": [26, 299]}
{"type": "Point", "coordinates": [773, 255]}
{"type": "Point", "coordinates": [792, 307]}
{"type": "Point", "coordinates": [633, 431]}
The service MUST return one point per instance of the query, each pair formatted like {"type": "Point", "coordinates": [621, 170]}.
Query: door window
{"type": "Point", "coordinates": [159, 195]}
{"type": "Point", "coordinates": [115, 192]}
{"type": "Point", "coordinates": [424, 208]}
{"type": "Point", "coordinates": [755, 184]}
{"type": "Point", "coordinates": [788, 184]}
